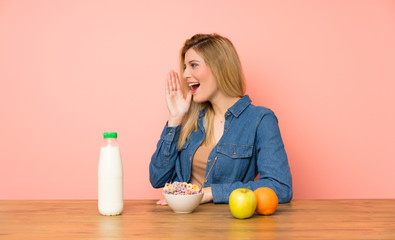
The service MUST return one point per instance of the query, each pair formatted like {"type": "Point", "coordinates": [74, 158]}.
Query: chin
{"type": "Point", "coordinates": [198, 99]}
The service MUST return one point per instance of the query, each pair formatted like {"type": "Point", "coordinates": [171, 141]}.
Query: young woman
{"type": "Point", "coordinates": [214, 136]}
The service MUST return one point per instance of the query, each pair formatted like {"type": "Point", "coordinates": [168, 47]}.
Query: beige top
{"type": "Point", "coordinates": [199, 164]}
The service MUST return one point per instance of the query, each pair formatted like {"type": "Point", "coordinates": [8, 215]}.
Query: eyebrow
{"type": "Point", "coordinates": [193, 61]}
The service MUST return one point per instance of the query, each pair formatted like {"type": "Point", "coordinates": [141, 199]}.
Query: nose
{"type": "Point", "coordinates": [186, 74]}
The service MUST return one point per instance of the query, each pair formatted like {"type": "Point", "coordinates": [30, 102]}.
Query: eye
{"type": "Point", "coordinates": [185, 66]}
{"type": "Point", "coordinates": [193, 65]}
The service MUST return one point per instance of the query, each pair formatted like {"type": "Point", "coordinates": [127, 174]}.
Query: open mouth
{"type": "Point", "coordinates": [194, 86]}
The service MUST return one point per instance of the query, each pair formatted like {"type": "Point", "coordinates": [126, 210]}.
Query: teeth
{"type": "Point", "coordinates": [193, 84]}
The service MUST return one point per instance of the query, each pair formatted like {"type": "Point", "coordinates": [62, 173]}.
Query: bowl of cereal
{"type": "Point", "coordinates": [182, 197]}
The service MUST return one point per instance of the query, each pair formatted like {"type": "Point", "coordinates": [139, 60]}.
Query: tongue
{"type": "Point", "coordinates": [194, 87]}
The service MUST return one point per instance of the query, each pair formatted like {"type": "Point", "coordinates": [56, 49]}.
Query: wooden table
{"type": "Point", "coordinates": [142, 219]}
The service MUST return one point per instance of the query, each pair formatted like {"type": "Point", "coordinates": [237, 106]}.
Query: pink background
{"type": "Point", "coordinates": [70, 70]}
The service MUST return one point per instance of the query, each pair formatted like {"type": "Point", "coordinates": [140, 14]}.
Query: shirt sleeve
{"type": "Point", "coordinates": [162, 165]}
{"type": "Point", "coordinates": [272, 164]}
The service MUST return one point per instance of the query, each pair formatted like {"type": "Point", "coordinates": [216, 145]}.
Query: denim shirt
{"type": "Point", "coordinates": [251, 144]}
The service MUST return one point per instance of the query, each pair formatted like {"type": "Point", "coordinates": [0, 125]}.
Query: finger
{"type": "Point", "coordinates": [189, 96]}
{"type": "Point", "coordinates": [161, 202]}
{"type": "Point", "coordinates": [169, 83]}
{"type": "Point", "coordinates": [177, 79]}
{"type": "Point", "coordinates": [173, 81]}
{"type": "Point", "coordinates": [167, 87]}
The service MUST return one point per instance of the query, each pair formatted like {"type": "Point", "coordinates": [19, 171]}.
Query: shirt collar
{"type": "Point", "coordinates": [236, 109]}
{"type": "Point", "coordinates": [240, 106]}
{"type": "Point", "coordinates": [202, 112]}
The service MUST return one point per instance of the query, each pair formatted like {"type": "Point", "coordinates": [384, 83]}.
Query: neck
{"type": "Point", "coordinates": [222, 104]}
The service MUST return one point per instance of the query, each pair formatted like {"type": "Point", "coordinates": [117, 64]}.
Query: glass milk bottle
{"type": "Point", "coordinates": [110, 176]}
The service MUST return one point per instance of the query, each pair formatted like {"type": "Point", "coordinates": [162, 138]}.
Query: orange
{"type": "Point", "coordinates": [267, 201]}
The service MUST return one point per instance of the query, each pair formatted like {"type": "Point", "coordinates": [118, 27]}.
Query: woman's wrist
{"type": "Point", "coordinates": [207, 196]}
{"type": "Point", "coordinates": [174, 122]}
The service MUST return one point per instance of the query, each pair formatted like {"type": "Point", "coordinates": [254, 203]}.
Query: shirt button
{"type": "Point", "coordinates": [209, 160]}
{"type": "Point", "coordinates": [234, 153]}
{"type": "Point", "coordinates": [227, 114]}
{"type": "Point", "coordinates": [169, 134]}
{"type": "Point", "coordinates": [205, 180]}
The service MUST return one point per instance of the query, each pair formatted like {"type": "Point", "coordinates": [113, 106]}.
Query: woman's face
{"type": "Point", "coordinates": [199, 77]}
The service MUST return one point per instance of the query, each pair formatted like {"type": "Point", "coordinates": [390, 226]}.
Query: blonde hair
{"type": "Point", "coordinates": [221, 57]}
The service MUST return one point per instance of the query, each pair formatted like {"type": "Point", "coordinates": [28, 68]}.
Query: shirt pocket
{"type": "Point", "coordinates": [232, 162]}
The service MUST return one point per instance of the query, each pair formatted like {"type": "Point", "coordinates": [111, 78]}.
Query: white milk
{"type": "Point", "coordinates": [110, 179]}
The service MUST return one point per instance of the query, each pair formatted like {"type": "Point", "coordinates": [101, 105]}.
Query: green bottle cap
{"type": "Point", "coordinates": [110, 135]}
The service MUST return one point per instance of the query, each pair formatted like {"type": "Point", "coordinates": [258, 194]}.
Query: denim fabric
{"type": "Point", "coordinates": [250, 145]}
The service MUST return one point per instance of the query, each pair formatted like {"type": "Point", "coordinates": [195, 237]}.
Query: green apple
{"type": "Point", "coordinates": [242, 203]}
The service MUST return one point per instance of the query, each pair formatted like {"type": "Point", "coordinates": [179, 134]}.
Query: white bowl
{"type": "Point", "coordinates": [183, 203]}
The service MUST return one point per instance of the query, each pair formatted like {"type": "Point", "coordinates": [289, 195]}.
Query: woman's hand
{"type": "Point", "coordinates": [161, 202]}
{"type": "Point", "coordinates": [207, 196]}
{"type": "Point", "coordinates": [177, 105]}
